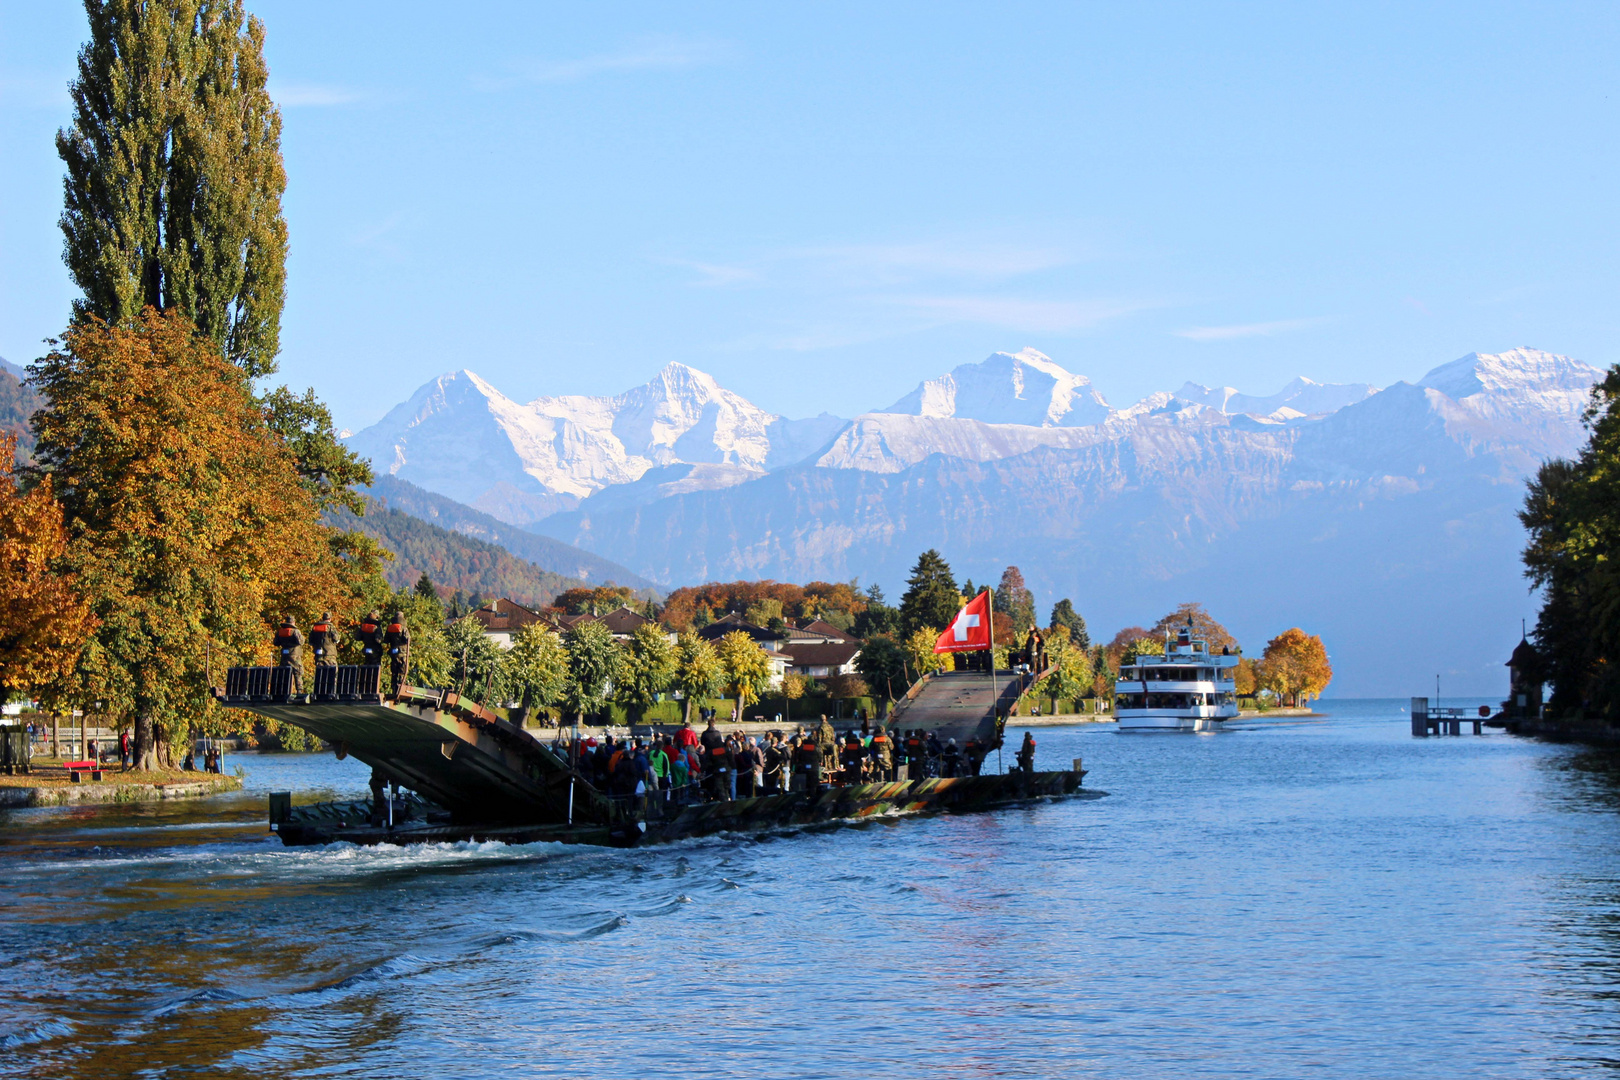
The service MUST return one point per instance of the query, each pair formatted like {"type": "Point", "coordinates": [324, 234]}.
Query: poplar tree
{"type": "Point", "coordinates": [174, 174]}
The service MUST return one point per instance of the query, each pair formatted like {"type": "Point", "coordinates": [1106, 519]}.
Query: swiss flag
{"type": "Point", "coordinates": [970, 629]}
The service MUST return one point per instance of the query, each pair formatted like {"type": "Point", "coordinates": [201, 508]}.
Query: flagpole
{"type": "Point", "coordinates": [995, 692]}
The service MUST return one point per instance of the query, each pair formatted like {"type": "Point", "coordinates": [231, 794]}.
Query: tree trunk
{"type": "Point", "coordinates": [56, 736]}
{"type": "Point", "coordinates": [145, 749]}
{"type": "Point", "coordinates": [686, 709]}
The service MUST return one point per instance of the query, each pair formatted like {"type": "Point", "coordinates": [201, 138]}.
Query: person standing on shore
{"type": "Point", "coordinates": [807, 765]}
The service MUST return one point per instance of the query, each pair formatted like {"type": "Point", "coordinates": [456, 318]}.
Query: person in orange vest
{"type": "Point", "coordinates": [323, 639]}
{"type": "Point", "coordinates": [397, 640]}
{"type": "Point", "coordinates": [854, 756]}
{"type": "Point", "coordinates": [807, 764]}
{"type": "Point", "coordinates": [722, 771]}
{"type": "Point", "coordinates": [1026, 753]}
{"type": "Point", "coordinates": [369, 634]}
{"type": "Point", "coordinates": [916, 755]}
{"type": "Point", "coordinates": [290, 652]}
{"type": "Point", "coordinates": [882, 752]}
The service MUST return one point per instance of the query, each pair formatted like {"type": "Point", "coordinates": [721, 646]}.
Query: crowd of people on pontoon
{"type": "Point", "coordinates": [690, 766]}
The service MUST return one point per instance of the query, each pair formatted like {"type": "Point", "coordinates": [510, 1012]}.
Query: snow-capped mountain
{"type": "Point", "coordinates": [1338, 508]}
{"type": "Point", "coordinates": [1025, 387]}
{"type": "Point", "coordinates": [460, 436]}
{"type": "Point", "coordinates": [1302, 397]}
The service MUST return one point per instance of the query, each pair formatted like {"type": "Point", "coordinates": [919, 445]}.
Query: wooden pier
{"type": "Point", "coordinates": [1428, 721]}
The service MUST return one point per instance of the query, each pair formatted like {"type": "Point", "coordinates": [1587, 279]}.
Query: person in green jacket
{"type": "Point", "coordinates": [660, 766]}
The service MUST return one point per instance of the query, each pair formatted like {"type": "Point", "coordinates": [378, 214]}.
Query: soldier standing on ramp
{"type": "Point", "coordinates": [369, 634]}
{"type": "Point", "coordinates": [398, 642]}
{"type": "Point", "coordinates": [290, 653]}
{"type": "Point", "coordinates": [324, 641]}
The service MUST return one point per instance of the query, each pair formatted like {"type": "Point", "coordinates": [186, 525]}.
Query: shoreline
{"type": "Point", "coordinates": [20, 792]}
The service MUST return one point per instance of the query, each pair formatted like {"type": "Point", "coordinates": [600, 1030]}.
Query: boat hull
{"type": "Point", "coordinates": [655, 820]}
{"type": "Point", "coordinates": [1168, 721]}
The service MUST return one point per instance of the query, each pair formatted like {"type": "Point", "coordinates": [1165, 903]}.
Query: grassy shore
{"type": "Point", "coordinates": [50, 785]}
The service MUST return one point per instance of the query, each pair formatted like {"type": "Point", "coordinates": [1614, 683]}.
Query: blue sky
{"type": "Point", "coordinates": [824, 204]}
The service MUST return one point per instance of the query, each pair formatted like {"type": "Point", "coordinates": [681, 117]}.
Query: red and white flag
{"type": "Point", "coordinates": [970, 629]}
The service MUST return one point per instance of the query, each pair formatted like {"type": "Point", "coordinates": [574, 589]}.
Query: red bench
{"type": "Point", "coordinates": [77, 769]}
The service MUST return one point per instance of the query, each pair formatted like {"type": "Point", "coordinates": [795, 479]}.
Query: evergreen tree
{"type": "Point", "coordinates": [931, 598]}
{"type": "Point", "coordinates": [1014, 599]}
{"type": "Point", "coordinates": [1063, 614]}
{"type": "Point", "coordinates": [425, 589]}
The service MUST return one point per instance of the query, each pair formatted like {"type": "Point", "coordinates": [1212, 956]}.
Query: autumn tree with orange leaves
{"type": "Point", "coordinates": [189, 525]}
{"type": "Point", "coordinates": [1295, 666]}
{"type": "Point", "coordinates": [43, 620]}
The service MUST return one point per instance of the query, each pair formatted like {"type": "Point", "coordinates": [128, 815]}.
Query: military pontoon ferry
{"type": "Point", "coordinates": [461, 772]}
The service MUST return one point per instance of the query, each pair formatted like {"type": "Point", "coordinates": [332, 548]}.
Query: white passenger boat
{"type": "Point", "coordinates": [1189, 688]}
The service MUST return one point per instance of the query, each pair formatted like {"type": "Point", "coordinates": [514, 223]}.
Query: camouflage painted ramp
{"type": "Point", "coordinates": [958, 705]}
{"type": "Point", "coordinates": [456, 754]}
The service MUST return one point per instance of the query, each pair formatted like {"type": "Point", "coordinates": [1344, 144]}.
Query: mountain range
{"type": "Point", "coordinates": [1383, 519]}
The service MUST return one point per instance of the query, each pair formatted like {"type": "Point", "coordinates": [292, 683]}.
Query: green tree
{"type": "Point", "coordinates": [748, 669]}
{"type": "Point", "coordinates": [1071, 672]}
{"type": "Point", "coordinates": [477, 664]}
{"type": "Point", "coordinates": [431, 660]}
{"type": "Point", "coordinates": [882, 664]}
{"type": "Point", "coordinates": [920, 651]}
{"type": "Point", "coordinates": [537, 667]}
{"type": "Point", "coordinates": [648, 670]}
{"type": "Point", "coordinates": [1572, 513]}
{"type": "Point", "coordinates": [764, 612]}
{"type": "Point", "coordinates": [593, 667]}
{"type": "Point", "coordinates": [1015, 600]}
{"type": "Point", "coordinates": [931, 598]}
{"type": "Point", "coordinates": [174, 174]}
{"type": "Point", "coordinates": [424, 587]}
{"type": "Point", "coordinates": [878, 618]}
{"type": "Point", "coordinates": [1064, 615]}
{"type": "Point", "coordinates": [699, 674]}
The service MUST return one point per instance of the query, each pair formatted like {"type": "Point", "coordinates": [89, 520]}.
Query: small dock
{"type": "Point", "coordinates": [1433, 720]}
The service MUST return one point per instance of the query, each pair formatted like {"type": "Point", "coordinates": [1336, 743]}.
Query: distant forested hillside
{"type": "Point", "coordinates": [454, 561]}
{"type": "Point", "coordinates": [18, 402]}
{"type": "Point", "coordinates": [541, 550]}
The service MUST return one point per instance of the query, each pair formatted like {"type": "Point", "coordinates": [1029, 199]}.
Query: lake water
{"type": "Point", "coordinates": [1305, 897]}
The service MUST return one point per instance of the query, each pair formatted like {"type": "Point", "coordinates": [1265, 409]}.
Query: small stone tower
{"type": "Point", "coordinates": [1524, 682]}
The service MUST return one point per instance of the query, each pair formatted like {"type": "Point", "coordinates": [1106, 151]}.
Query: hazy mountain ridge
{"type": "Point", "coordinates": [545, 552]}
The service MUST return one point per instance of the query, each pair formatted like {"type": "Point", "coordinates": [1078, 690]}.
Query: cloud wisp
{"type": "Point", "coordinates": [1015, 313]}
{"type": "Point", "coordinates": [1247, 330]}
{"type": "Point", "coordinates": [296, 95]}
{"type": "Point", "coordinates": [658, 54]}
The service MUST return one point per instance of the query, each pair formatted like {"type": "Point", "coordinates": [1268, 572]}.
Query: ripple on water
{"type": "Point", "coordinates": [1332, 897]}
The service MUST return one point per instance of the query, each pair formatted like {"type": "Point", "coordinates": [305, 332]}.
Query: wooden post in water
{"type": "Point", "coordinates": [1420, 717]}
